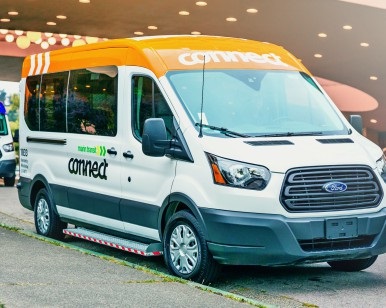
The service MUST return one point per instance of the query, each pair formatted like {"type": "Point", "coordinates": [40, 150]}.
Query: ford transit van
{"type": "Point", "coordinates": [7, 151]}
{"type": "Point", "coordinates": [206, 150]}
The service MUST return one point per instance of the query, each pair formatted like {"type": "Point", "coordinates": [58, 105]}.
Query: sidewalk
{"type": "Point", "coordinates": [40, 272]}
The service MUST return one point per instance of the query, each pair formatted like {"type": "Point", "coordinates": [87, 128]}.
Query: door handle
{"type": "Point", "coordinates": [128, 154]}
{"type": "Point", "coordinates": [112, 151]}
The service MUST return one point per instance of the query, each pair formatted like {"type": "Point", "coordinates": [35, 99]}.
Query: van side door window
{"type": "Point", "coordinates": [148, 102]}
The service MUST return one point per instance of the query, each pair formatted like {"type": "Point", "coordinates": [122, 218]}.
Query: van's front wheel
{"type": "Point", "coordinates": [47, 222]}
{"type": "Point", "coordinates": [185, 251]}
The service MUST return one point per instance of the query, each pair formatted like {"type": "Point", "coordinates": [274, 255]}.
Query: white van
{"type": "Point", "coordinates": [208, 150]}
{"type": "Point", "coordinates": [7, 151]}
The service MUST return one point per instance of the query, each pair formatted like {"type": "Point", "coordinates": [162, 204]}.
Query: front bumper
{"type": "Point", "coordinates": [260, 239]}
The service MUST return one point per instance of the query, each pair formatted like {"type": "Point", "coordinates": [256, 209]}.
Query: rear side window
{"type": "Point", "coordinates": [79, 101]}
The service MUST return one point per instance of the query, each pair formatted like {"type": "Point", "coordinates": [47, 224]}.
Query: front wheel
{"type": "Point", "coordinates": [185, 251]}
{"type": "Point", "coordinates": [47, 222]}
{"type": "Point", "coordinates": [352, 265]}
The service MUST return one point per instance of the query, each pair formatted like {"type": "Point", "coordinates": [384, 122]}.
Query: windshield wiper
{"type": "Point", "coordinates": [290, 134]}
{"type": "Point", "coordinates": [223, 130]}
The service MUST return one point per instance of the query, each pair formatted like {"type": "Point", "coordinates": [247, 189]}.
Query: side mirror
{"type": "Point", "coordinates": [16, 136]}
{"type": "Point", "coordinates": [356, 122]}
{"type": "Point", "coordinates": [154, 138]}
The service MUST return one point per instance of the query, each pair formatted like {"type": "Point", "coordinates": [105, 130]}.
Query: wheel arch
{"type": "Point", "coordinates": [39, 182]}
{"type": "Point", "coordinates": [174, 203]}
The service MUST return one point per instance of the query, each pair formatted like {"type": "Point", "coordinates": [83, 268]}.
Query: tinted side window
{"type": "Point", "coordinates": [53, 102]}
{"type": "Point", "coordinates": [31, 107]}
{"type": "Point", "coordinates": [92, 102]}
{"type": "Point", "coordinates": [80, 101]}
{"type": "Point", "coordinates": [148, 102]}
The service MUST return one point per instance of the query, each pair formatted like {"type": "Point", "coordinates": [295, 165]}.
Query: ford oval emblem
{"type": "Point", "coordinates": [335, 187]}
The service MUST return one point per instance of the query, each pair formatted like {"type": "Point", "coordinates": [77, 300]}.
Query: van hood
{"type": "Point", "coordinates": [281, 154]}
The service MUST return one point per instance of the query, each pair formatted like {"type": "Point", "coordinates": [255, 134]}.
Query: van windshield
{"type": "Point", "coordinates": [3, 126]}
{"type": "Point", "coordinates": [256, 102]}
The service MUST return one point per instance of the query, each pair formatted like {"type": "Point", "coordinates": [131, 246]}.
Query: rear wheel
{"type": "Point", "coordinates": [9, 182]}
{"type": "Point", "coordinates": [47, 222]}
{"type": "Point", "coordinates": [185, 251]}
{"type": "Point", "coordinates": [352, 265]}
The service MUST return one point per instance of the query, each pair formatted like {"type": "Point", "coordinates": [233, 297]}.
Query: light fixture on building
{"type": "Point", "coordinates": [33, 36]}
{"type": "Point", "coordinates": [91, 39]}
{"type": "Point", "coordinates": [51, 40]}
{"type": "Point", "coordinates": [9, 38]}
{"type": "Point", "coordinates": [23, 42]}
{"type": "Point", "coordinates": [44, 45]}
{"type": "Point", "coordinates": [65, 41]}
{"type": "Point", "coordinates": [78, 42]}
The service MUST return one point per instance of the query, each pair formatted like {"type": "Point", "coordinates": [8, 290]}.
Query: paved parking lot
{"type": "Point", "coordinates": [311, 285]}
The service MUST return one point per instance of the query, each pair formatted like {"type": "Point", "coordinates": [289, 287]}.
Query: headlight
{"type": "Point", "coordinates": [8, 147]}
{"type": "Point", "coordinates": [238, 174]}
{"type": "Point", "coordinates": [381, 165]}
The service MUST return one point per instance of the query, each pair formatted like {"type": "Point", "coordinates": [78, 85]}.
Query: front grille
{"type": "Point", "coordinates": [303, 190]}
{"type": "Point", "coordinates": [337, 244]}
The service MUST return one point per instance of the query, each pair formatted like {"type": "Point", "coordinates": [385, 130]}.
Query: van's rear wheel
{"type": "Point", "coordinates": [355, 265]}
{"type": "Point", "coordinates": [185, 251]}
{"type": "Point", "coordinates": [47, 222]}
{"type": "Point", "coordinates": [9, 182]}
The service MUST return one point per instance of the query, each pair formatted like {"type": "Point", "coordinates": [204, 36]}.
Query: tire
{"type": "Point", "coordinates": [185, 251]}
{"type": "Point", "coordinates": [47, 222]}
{"type": "Point", "coordinates": [355, 265]}
{"type": "Point", "coordinates": [9, 182]}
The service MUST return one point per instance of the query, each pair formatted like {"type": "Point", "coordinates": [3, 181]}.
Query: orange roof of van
{"type": "Point", "coordinates": [165, 53]}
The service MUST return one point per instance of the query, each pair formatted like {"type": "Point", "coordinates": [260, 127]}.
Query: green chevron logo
{"type": "Point", "coordinates": [99, 150]}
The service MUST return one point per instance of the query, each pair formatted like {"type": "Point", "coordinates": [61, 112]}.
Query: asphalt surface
{"type": "Point", "coordinates": [39, 273]}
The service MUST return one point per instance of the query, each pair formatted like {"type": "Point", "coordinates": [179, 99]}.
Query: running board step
{"type": "Point", "coordinates": [153, 249]}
